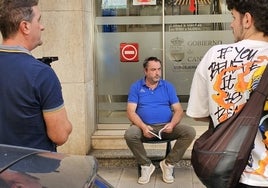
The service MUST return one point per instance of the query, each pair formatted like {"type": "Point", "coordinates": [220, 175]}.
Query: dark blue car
{"type": "Point", "coordinates": [31, 168]}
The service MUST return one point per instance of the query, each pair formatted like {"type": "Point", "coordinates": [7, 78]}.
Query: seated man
{"type": "Point", "coordinates": [150, 104]}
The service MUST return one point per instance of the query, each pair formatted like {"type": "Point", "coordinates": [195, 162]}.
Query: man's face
{"type": "Point", "coordinates": [153, 71]}
{"type": "Point", "coordinates": [35, 29]}
{"type": "Point", "coordinates": [237, 26]}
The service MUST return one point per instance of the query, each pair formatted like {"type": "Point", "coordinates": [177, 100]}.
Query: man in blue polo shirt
{"type": "Point", "coordinates": [153, 105]}
{"type": "Point", "coordinates": [32, 112]}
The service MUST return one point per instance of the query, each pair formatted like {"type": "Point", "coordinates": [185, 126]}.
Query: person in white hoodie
{"type": "Point", "coordinates": [228, 73]}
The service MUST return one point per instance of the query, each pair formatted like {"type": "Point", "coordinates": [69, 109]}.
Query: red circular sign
{"type": "Point", "coordinates": [129, 52]}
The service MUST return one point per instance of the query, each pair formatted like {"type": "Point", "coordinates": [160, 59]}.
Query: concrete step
{"type": "Point", "coordinates": [124, 158]}
{"type": "Point", "coordinates": [107, 137]}
{"type": "Point", "coordinates": [114, 139]}
{"type": "Point", "coordinates": [110, 149]}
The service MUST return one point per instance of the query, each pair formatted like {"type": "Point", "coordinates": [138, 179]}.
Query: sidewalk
{"type": "Point", "coordinates": [127, 178]}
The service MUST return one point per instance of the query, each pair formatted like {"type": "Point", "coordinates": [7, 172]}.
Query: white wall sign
{"type": "Point", "coordinates": [108, 4]}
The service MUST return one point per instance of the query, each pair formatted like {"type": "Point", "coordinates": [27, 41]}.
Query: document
{"type": "Point", "coordinates": [157, 134]}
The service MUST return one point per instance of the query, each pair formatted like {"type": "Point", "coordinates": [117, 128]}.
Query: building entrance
{"type": "Point", "coordinates": [179, 32]}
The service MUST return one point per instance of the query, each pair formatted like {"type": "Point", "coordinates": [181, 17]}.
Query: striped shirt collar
{"type": "Point", "coordinates": [17, 49]}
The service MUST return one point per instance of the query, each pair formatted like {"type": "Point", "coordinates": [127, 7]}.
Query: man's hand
{"type": "Point", "coordinates": [168, 128]}
{"type": "Point", "coordinates": [146, 132]}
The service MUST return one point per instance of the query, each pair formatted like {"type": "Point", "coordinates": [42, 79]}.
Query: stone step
{"type": "Point", "coordinates": [117, 141]}
{"type": "Point", "coordinates": [110, 149]}
{"type": "Point", "coordinates": [124, 158]}
{"type": "Point", "coordinates": [105, 138]}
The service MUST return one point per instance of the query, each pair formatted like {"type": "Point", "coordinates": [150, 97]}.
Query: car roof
{"type": "Point", "coordinates": [12, 154]}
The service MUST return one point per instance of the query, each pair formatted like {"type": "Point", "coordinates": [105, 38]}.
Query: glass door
{"type": "Point", "coordinates": [127, 32]}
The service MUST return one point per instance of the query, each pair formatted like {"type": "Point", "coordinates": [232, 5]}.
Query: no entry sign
{"type": "Point", "coordinates": [129, 52]}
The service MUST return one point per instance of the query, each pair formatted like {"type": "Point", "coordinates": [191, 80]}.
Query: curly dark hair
{"type": "Point", "coordinates": [12, 12]}
{"type": "Point", "coordinates": [257, 8]}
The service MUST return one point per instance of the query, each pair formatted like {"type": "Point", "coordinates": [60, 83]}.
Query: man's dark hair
{"type": "Point", "coordinates": [145, 62]}
{"type": "Point", "coordinates": [257, 8]}
{"type": "Point", "coordinates": [12, 13]}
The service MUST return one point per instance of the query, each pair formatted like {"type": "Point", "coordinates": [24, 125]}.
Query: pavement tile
{"type": "Point", "coordinates": [127, 178]}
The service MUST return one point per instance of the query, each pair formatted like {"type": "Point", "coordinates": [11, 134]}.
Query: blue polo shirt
{"type": "Point", "coordinates": [153, 106]}
{"type": "Point", "coordinates": [27, 89]}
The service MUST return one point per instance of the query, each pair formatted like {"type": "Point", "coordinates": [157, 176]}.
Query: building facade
{"type": "Point", "coordinates": [101, 45]}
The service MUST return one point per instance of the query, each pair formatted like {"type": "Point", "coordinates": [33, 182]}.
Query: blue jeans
{"type": "Point", "coordinates": [184, 135]}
